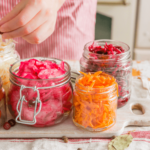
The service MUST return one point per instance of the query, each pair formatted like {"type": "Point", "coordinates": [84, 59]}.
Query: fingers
{"type": "Point", "coordinates": [40, 34]}
{"type": "Point", "coordinates": [32, 25]}
{"type": "Point", "coordinates": [16, 10]}
{"type": "Point", "coordinates": [22, 18]}
{"type": "Point", "coordinates": [33, 20]}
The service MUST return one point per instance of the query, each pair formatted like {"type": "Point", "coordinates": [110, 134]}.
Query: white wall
{"type": "Point", "coordinates": [142, 44]}
{"type": "Point", "coordinates": [123, 21]}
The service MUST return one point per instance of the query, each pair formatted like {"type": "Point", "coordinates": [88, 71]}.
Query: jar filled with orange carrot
{"type": "Point", "coordinates": [95, 101]}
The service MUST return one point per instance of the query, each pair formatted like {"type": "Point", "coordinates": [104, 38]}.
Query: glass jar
{"type": "Point", "coordinates": [40, 102]}
{"type": "Point", "coordinates": [2, 105]}
{"type": "Point", "coordinates": [8, 55]}
{"type": "Point", "coordinates": [95, 109]}
{"type": "Point", "coordinates": [118, 65]}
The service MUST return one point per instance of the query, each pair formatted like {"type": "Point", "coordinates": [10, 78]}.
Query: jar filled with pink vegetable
{"type": "Point", "coordinates": [41, 92]}
{"type": "Point", "coordinates": [114, 58]}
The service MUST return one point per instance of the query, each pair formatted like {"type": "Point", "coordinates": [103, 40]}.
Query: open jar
{"type": "Point", "coordinates": [117, 65]}
{"type": "Point", "coordinates": [40, 102]}
{"type": "Point", "coordinates": [94, 109]}
{"type": "Point", "coordinates": [8, 55]}
{"type": "Point", "coordinates": [2, 104]}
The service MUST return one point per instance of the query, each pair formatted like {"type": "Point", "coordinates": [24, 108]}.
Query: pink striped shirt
{"type": "Point", "coordinates": [74, 27]}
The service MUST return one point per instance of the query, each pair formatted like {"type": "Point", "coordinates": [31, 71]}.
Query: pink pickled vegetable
{"type": "Point", "coordinates": [35, 69]}
{"type": "Point", "coordinates": [55, 101]}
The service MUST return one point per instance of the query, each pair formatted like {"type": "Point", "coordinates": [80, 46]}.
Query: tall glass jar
{"type": "Point", "coordinates": [94, 109]}
{"type": "Point", "coordinates": [2, 105]}
{"type": "Point", "coordinates": [8, 55]}
{"type": "Point", "coordinates": [40, 102]}
{"type": "Point", "coordinates": [118, 65]}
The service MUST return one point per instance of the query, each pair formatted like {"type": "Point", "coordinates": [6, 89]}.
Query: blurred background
{"type": "Point", "coordinates": [127, 21]}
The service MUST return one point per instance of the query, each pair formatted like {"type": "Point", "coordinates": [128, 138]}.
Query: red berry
{"type": "Point", "coordinates": [12, 122]}
{"type": "Point", "coordinates": [6, 126]}
{"type": "Point", "coordinates": [108, 49]}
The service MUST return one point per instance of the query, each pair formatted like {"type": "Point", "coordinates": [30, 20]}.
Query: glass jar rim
{"type": "Point", "coordinates": [40, 58]}
{"type": "Point", "coordinates": [107, 40]}
{"type": "Point", "coordinates": [113, 68]}
{"type": "Point", "coordinates": [109, 60]}
{"type": "Point", "coordinates": [105, 88]}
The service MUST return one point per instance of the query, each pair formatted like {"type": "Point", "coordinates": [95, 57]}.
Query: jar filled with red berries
{"type": "Point", "coordinates": [112, 57]}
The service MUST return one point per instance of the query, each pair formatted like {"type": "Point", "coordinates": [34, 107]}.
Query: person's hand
{"type": "Point", "coordinates": [33, 20]}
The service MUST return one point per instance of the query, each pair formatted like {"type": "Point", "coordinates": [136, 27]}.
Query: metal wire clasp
{"type": "Point", "coordinates": [20, 102]}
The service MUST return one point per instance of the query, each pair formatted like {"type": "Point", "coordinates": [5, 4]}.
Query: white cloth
{"type": "Point", "coordinates": [55, 145]}
{"type": "Point", "coordinates": [47, 144]}
{"type": "Point", "coordinates": [140, 88]}
{"type": "Point", "coordinates": [143, 67]}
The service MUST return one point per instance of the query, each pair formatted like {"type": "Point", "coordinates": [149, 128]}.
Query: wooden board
{"type": "Point", "coordinates": [125, 117]}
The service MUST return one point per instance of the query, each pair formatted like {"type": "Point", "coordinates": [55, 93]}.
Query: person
{"type": "Point", "coordinates": [48, 28]}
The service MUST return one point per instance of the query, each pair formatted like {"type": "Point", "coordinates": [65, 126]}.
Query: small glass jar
{"type": "Point", "coordinates": [95, 110]}
{"type": "Point", "coordinates": [40, 102]}
{"type": "Point", "coordinates": [2, 105]}
{"type": "Point", "coordinates": [118, 65]}
{"type": "Point", "coordinates": [8, 56]}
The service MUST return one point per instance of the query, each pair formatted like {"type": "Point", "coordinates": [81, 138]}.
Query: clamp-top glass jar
{"type": "Point", "coordinates": [40, 102]}
{"type": "Point", "coordinates": [117, 65]}
{"type": "Point", "coordinates": [8, 55]}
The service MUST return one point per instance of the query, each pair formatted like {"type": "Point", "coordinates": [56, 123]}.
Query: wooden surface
{"type": "Point", "coordinates": [125, 117]}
